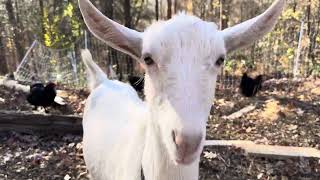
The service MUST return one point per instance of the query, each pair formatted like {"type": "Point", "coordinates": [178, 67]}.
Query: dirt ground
{"type": "Point", "coordinates": [286, 113]}
{"type": "Point", "coordinates": [56, 157]}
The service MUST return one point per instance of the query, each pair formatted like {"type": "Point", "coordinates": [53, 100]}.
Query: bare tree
{"type": "Point", "coordinates": [3, 60]}
{"type": "Point", "coordinates": [107, 8]}
{"type": "Point", "coordinates": [224, 14]}
{"type": "Point", "coordinates": [157, 9]}
{"type": "Point", "coordinates": [175, 6]}
{"type": "Point", "coordinates": [128, 23]}
{"type": "Point", "coordinates": [127, 13]}
{"type": "Point", "coordinates": [169, 10]}
{"type": "Point", "coordinates": [16, 34]}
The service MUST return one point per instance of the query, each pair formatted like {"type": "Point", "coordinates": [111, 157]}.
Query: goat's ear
{"type": "Point", "coordinates": [115, 35]}
{"type": "Point", "coordinates": [251, 30]}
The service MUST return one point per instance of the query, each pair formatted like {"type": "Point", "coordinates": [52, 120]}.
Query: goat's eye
{"type": "Point", "coordinates": [220, 61]}
{"type": "Point", "coordinates": [148, 60]}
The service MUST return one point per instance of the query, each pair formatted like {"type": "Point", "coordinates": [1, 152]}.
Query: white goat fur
{"type": "Point", "coordinates": [122, 133]}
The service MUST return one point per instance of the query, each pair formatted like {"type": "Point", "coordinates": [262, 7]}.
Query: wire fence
{"type": "Point", "coordinates": [65, 66]}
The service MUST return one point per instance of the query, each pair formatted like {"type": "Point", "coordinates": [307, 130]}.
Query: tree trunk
{"type": "Point", "coordinates": [294, 6]}
{"type": "Point", "coordinates": [175, 6]}
{"type": "Point", "coordinates": [43, 31]}
{"type": "Point", "coordinates": [23, 33]}
{"type": "Point", "coordinates": [138, 16]}
{"type": "Point", "coordinates": [107, 6]}
{"type": "Point", "coordinates": [17, 36]}
{"type": "Point", "coordinates": [127, 13]}
{"type": "Point", "coordinates": [169, 10]}
{"type": "Point", "coordinates": [129, 66]}
{"type": "Point", "coordinates": [311, 36]}
{"type": "Point", "coordinates": [203, 10]}
{"type": "Point", "coordinates": [309, 17]}
{"type": "Point", "coordinates": [3, 60]}
{"type": "Point", "coordinates": [211, 11]}
{"type": "Point", "coordinates": [128, 23]}
{"type": "Point", "coordinates": [157, 9]}
{"type": "Point", "coordinates": [224, 14]}
{"type": "Point", "coordinates": [108, 10]}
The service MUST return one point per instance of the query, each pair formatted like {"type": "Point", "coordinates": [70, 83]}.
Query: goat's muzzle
{"type": "Point", "coordinates": [186, 146]}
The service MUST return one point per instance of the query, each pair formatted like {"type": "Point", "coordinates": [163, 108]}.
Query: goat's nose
{"type": "Point", "coordinates": [186, 145]}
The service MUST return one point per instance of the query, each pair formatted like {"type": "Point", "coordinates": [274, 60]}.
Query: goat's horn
{"type": "Point", "coordinates": [115, 35]}
{"type": "Point", "coordinates": [251, 30]}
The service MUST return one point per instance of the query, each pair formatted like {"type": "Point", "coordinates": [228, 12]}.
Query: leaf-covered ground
{"type": "Point", "coordinates": [286, 113]}
{"type": "Point", "coordinates": [55, 157]}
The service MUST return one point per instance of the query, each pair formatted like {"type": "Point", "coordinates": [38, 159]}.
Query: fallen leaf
{"type": "Point", "coordinates": [292, 127]}
{"type": "Point", "coordinates": [260, 176]}
{"type": "Point", "coordinates": [67, 177]}
{"type": "Point", "coordinates": [71, 145]}
{"type": "Point", "coordinates": [300, 111]}
{"type": "Point", "coordinates": [210, 155]}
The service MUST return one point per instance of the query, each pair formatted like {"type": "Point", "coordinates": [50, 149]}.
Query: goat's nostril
{"type": "Point", "coordinates": [186, 144]}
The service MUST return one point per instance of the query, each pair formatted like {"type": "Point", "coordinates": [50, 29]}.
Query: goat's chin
{"type": "Point", "coordinates": [189, 159]}
{"type": "Point", "coordinates": [186, 161]}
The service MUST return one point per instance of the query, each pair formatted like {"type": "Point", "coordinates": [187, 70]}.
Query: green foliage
{"type": "Point", "coordinates": [289, 13]}
{"type": "Point", "coordinates": [229, 65]}
{"type": "Point", "coordinates": [58, 24]}
{"type": "Point", "coordinates": [61, 30]}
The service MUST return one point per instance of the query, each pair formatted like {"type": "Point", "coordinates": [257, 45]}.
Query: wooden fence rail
{"type": "Point", "coordinates": [28, 122]}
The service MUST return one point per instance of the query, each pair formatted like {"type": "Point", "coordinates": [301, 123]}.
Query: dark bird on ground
{"type": "Point", "coordinates": [137, 83]}
{"type": "Point", "coordinates": [41, 95]}
{"type": "Point", "coordinates": [249, 86]}
{"type": "Point", "coordinates": [9, 76]}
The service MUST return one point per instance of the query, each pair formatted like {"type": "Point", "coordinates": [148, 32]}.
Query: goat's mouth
{"type": "Point", "coordinates": [186, 160]}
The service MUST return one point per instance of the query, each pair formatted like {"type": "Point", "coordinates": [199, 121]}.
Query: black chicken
{"type": "Point", "coordinates": [41, 95]}
{"type": "Point", "coordinates": [137, 83]}
{"type": "Point", "coordinates": [249, 86]}
{"type": "Point", "coordinates": [9, 76]}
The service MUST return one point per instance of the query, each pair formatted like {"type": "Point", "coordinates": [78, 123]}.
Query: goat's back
{"type": "Point", "coordinates": [113, 125]}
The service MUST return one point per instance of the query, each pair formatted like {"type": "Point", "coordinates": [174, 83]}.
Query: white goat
{"type": "Point", "coordinates": [182, 58]}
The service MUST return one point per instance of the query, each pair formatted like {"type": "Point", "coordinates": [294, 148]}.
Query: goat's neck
{"type": "Point", "coordinates": [156, 162]}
